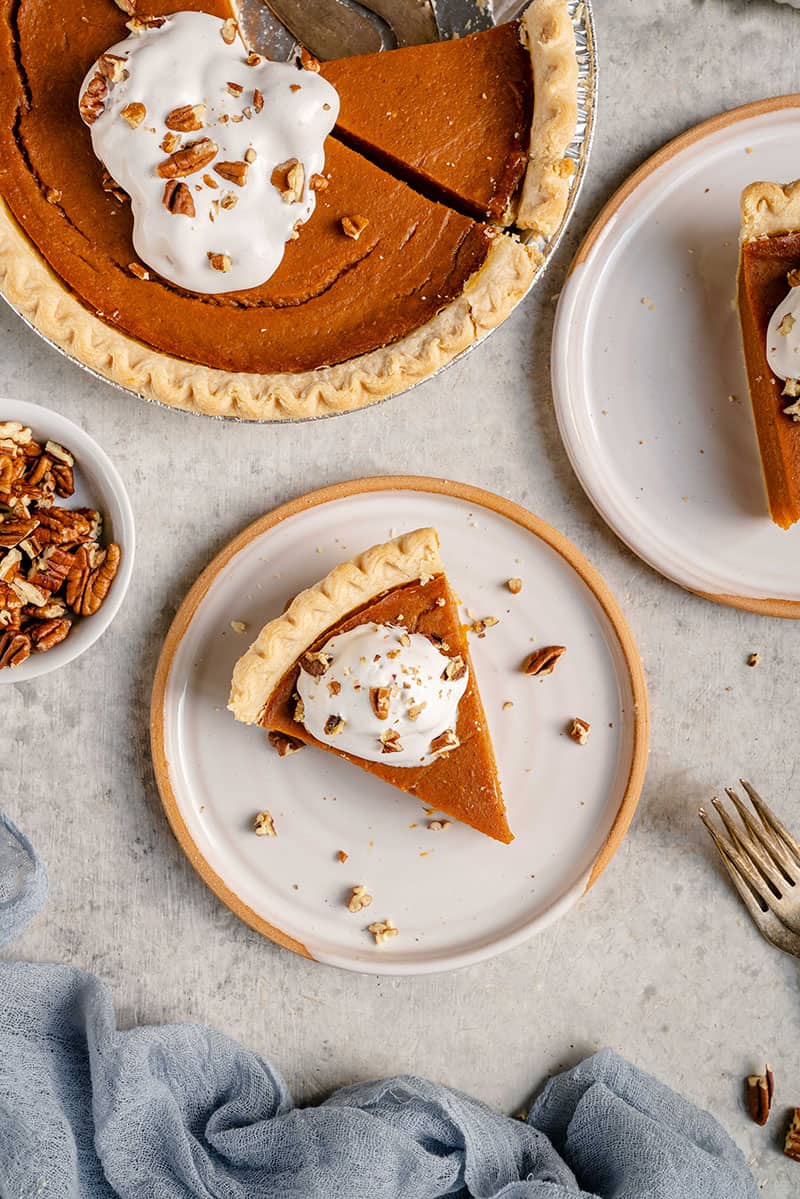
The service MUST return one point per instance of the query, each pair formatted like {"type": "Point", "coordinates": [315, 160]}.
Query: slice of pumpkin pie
{"type": "Point", "coordinates": [372, 664]}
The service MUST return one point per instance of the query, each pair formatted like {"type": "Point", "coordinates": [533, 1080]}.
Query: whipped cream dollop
{"type": "Point", "coordinates": [383, 694]}
{"type": "Point", "coordinates": [220, 151]}
{"type": "Point", "coordinates": [783, 343]}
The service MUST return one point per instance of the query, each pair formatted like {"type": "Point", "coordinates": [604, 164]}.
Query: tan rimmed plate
{"type": "Point", "coordinates": [648, 375]}
{"type": "Point", "coordinates": [456, 896]}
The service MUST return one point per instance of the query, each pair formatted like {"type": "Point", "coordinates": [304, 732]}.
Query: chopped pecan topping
{"type": "Point", "coordinates": [258, 99]}
{"type": "Point", "coordinates": [229, 31]}
{"type": "Point", "coordinates": [234, 172]}
{"type": "Point", "coordinates": [334, 725]}
{"type": "Point", "coordinates": [445, 742]}
{"type": "Point", "coordinates": [543, 661]}
{"type": "Point", "coordinates": [318, 182]}
{"type": "Point", "coordinates": [92, 101]}
{"type": "Point", "coordinates": [235, 89]}
{"type": "Point", "coordinates": [219, 262]}
{"type": "Point", "coordinates": [380, 699]}
{"type": "Point", "coordinates": [308, 61]}
{"type": "Point", "coordinates": [390, 742]}
{"type": "Point", "coordinates": [137, 25]}
{"type": "Point", "coordinates": [353, 226]}
{"type": "Point", "coordinates": [416, 710]}
{"type": "Point", "coordinates": [134, 113]}
{"type": "Point", "coordinates": [139, 271]}
{"type": "Point", "coordinates": [112, 66]}
{"type": "Point", "coordinates": [289, 178]}
{"type": "Point", "coordinates": [178, 199]}
{"type": "Point", "coordinates": [455, 669]}
{"type": "Point", "coordinates": [194, 156]}
{"type": "Point", "coordinates": [253, 60]}
{"type": "Point", "coordinates": [283, 744]}
{"type": "Point", "coordinates": [315, 663]}
{"type": "Point", "coordinates": [187, 118]}
{"type": "Point", "coordinates": [170, 142]}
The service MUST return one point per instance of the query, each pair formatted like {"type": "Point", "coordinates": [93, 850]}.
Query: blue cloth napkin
{"type": "Point", "coordinates": [183, 1112]}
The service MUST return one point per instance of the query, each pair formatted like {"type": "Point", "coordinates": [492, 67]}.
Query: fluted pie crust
{"type": "Point", "coordinates": [491, 292]}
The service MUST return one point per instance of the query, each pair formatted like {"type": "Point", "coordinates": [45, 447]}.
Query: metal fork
{"type": "Point", "coordinates": [763, 860]}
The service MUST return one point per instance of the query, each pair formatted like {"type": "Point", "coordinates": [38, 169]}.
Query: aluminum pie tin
{"type": "Point", "coordinates": [578, 150]}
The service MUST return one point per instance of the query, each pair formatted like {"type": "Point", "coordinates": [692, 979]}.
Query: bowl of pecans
{"type": "Point", "coordinates": [66, 541]}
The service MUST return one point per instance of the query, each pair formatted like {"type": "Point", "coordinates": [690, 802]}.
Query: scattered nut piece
{"type": "Point", "coordinates": [437, 826]}
{"type": "Point", "coordinates": [283, 744]}
{"type": "Point", "coordinates": [445, 742]}
{"type": "Point", "coordinates": [187, 118]}
{"type": "Point", "coordinates": [359, 899]}
{"type": "Point", "coordinates": [91, 103]}
{"type": "Point", "coordinates": [334, 725]}
{"type": "Point", "coordinates": [139, 271]}
{"type": "Point", "coordinates": [134, 113]}
{"type": "Point", "coordinates": [299, 711]}
{"type": "Point", "coordinates": [315, 663]}
{"type": "Point", "coordinates": [264, 825]}
{"type": "Point", "coordinates": [390, 741]}
{"type": "Point", "coordinates": [353, 226]}
{"type": "Point", "coordinates": [786, 325]}
{"type": "Point", "coordinates": [113, 67]}
{"type": "Point", "coordinates": [514, 586]}
{"type": "Point", "coordinates": [753, 659]}
{"type": "Point", "coordinates": [317, 182]}
{"type": "Point", "coordinates": [219, 262]}
{"type": "Point", "coordinates": [308, 61]}
{"type": "Point", "coordinates": [53, 195]}
{"type": "Point", "coordinates": [793, 278]}
{"type": "Point", "coordinates": [383, 930]}
{"type": "Point", "coordinates": [238, 626]}
{"type": "Point", "coordinates": [169, 142]}
{"type": "Point", "coordinates": [235, 89]}
{"type": "Point", "coordinates": [342, 856]}
{"type": "Point", "coordinates": [380, 698]}
{"type": "Point", "coordinates": [543, 661]}
{"type": "Point", "coordinates": [178, 199]}
{"type": "Point", "coordinates": [194, 156]}
{"type": "Point", "coordinates": [791, 1146]}
{"type": "Point", "coordinates": [579, 730]}
{"type": "Point", "coordinates": [415, 710]}
{"type": "Point", "coordinates": [759, 1093]}
{"type": "Point", "coordinates": [258, 99]}
{"type": "Point", "coordinates": [455, 669]}
{"type": "Point", "coordinates": [229, 31]}
{"type": "Point", "coordinates": [508, 705]}
{"type": "Point", "coordinates": [250, 154]}
{"type": "Point", "coordinates": [479, 627]}
{"type": "Point", "coordinates": [234, 172]}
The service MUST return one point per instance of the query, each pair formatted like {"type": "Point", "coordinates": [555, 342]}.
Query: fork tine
{"type": "Point", "coordinates": [756, 844]}
{"type": "Point", "coordinates": [732, 854]}
{"type": "Point", "coordinates": [748, 850]}
{"type": "Point", "coordinates": [769, 818]}
{"type": "Point", "coordinates": [746, 895]}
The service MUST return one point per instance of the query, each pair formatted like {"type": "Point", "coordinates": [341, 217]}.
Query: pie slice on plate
{"type": "Point", "coordinates": [372, 664]}
{"type": "Point", "coordinates": [769, 309]}
{"type": "Point", "coordinates": [419, 232]}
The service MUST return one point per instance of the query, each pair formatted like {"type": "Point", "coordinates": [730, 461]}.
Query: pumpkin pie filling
{"type": "Point", "coordinates": [427, 272]}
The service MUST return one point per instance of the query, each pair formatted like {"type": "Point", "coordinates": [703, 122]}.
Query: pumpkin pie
{"type": "Point", "coordinates": [769, 309]}
{"type": "Point", "coordinates": [372, 664]}
{"type": "Point", "coordinates": [445, 170]}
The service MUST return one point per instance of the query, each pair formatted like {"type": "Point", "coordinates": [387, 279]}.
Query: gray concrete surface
{"type": "Point", "coordinates": [660, 961]}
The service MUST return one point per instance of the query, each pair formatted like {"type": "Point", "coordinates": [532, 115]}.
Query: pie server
{"type": "Point", "coordinates": [340, 28]}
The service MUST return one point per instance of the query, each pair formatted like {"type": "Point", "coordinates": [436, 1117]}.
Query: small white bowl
{"type": "Point", "coordinates": [97, 485]}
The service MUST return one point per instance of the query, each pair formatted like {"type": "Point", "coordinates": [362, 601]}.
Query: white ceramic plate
{"type": "Point", "coordinates": [456, 896]}
{"type": "Point", "coordinates": [97, 485]}
{"type": "Point", "coordinates": [648, 374]}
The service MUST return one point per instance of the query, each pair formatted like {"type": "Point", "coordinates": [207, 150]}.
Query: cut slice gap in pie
{"type": "Point", "coordinates": [769, 310]}
{"type": "Point", "coordinates": [344, 321]}
{"type": "Point", "coordinates": [372, 664]}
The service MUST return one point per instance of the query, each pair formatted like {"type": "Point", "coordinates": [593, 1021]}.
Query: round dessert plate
{"type": "Point", "coordinates": [97, 485]}
{"type": "Point", "coordinates": [648, 374]}
{"type": "Point", "coordinates": [456, 896]}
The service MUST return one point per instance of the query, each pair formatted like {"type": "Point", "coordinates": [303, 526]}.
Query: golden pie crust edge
{"type": "Point", "coordinates": [407, 559]}
{"type": "Point", "coordinates": [770, 209]}
{"type": "Point", "coordinates": [44, 301]}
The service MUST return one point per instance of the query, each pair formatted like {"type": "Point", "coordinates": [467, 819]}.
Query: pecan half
{"type": "Point", "coordinates": [759, 1093]}
{"type": "Point", "coordinates": [14, 529]}
{"type": "Point", "coordinates": [99, 581]}
{"type": "Point", "coordinates": [44, 634]}
{"type": "Point", "coordinates": [234, 172]}
{"type": "Point", "coordinates": [92, 102]}
{"type": "Point", "coordinates": [178, 199]}
{"type": "Point", "coordinates": [15, 648]}
{"type": "Point", "coordinates": [543, 661]}
{"type": "Point", "coordinates": [10, 608]}
{"type": "Point", "coordinates": [191, 158]}
{"type": "Point", "coordinates": [188, 118]}
{"type": "Point", "coordinates": [62, 526]}
{"type": "Point", "coordinates": [64, 479]}
{"type": "Point", "coordinates": [791, 1146]}
{"type": "Point", "coordinates": [51, 568]}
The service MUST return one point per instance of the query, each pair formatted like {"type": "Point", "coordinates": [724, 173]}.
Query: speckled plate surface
{"type": "Point", "coordinates": [648, 374]}
{"type": "Point", "coordinates": [456, 896]}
